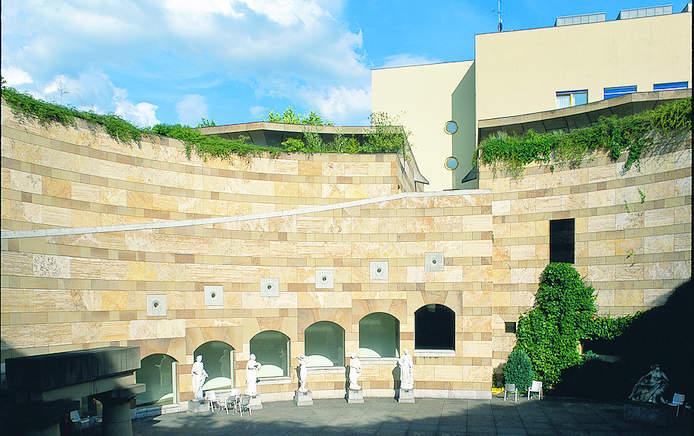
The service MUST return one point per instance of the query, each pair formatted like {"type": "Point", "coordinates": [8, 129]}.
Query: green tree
{"type": "Point", "coordinates": [291, 117]}
{"type": "Point", "coordinates": [561, 317]}
{"type": "Point", "coordinates": [518, 369]}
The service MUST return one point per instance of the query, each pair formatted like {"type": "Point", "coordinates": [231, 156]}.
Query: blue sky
{"type": "Point", "coordinates": [232, 61]}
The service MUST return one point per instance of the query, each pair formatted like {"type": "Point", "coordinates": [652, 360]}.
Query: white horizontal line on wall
{"type": "Point", "coordinates": [14, 234]}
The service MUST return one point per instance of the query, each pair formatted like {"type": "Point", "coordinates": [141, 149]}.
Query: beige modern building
{"type": "Point", "coordinates": [526, 71]}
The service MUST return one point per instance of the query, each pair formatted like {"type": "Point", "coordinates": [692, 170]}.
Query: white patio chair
{"type": "Point", "coordinates": [244, 404]}
{"type": "Point", "coordinates": [211, 397]}
{"type": "Point", "coordinates": [677, 401]}
{"type": "Point", "coordinates": [77, 421]}
{"type": "Point", "coordinates": [231, 402]}
{"type": "Point", "coordinates": [536, 387]}
{"type": "Point", "coordinates": [510, 388]}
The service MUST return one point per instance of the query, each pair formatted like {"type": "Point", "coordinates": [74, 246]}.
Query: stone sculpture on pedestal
{"type": "Point", "coordinates": [406, 394]}
{"type": "Point", "coordinates": [302, 396]}
{"type": "Point", "coordinates": [303, 373]}
{"type": "Point", "coordinates": [252, 368]}
{"type": "Point", "coordinates": [199, 376]}
{"type": "Point", "coordinates": [650, 387]}
{"type": "Point", "coordinates": [354, 393]}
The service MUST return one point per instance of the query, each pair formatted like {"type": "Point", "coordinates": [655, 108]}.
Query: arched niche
{"type": "Point", "coordinates": [218, 360]}
{"type": "Point", "coordinates": [434, 328]}
{"type": "Point", "coordinates": [379, 335]}
{"type": "Point", "coordinates": [271, 349]}
{"type": "Point", "coordinates": [156, 371]}
{"type": "Point", "coordinates": [324, 344]}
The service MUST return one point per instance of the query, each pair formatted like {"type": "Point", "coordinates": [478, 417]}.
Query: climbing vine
{"type": "Point", "coordinates": [384, 138]}
{"type": "Point", "coordinates": [563, 315]}
{"type": "Point", "coordinates": [630, 134]}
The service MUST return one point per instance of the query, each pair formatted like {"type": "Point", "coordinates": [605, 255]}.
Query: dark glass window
{"type": "Point", "coordinates": [561, 240]}
{"type": "Point", "coordinates": [434, 328]}
{"type": "Point", "coordinates": [510, 327]}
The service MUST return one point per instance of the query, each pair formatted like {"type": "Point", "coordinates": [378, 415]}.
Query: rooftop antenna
{"type": "Point", "coordinates": [501, 24]}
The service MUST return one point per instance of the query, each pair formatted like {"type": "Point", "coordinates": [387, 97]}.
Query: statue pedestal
{"type": "Point", "coordinates": [198, 406]}
{"type": "Point", "coordinates": [303, 398]}
{"type": "Point", "coordinates": [355, 396]}
{"type": "Point", "coordinates": [406, 396]}
{"type": "Point", "coordinates": [255, 403]}
{"type": "Point", "coordinates": [649, 413]}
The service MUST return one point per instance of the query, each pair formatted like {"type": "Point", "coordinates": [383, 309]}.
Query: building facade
{"type": "Point", "coordinates": [527, 71]}
{"type": "Point", "coordinates": [106, 243]}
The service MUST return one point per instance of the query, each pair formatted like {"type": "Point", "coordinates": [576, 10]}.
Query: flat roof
{"type": "Point", "coordinates": [282, 127]}
{"type": "Point", "coordinates": [580, 116]}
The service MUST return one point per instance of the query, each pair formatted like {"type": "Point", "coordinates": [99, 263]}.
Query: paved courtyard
{"type": "Point", "coordinates": [381, 416]}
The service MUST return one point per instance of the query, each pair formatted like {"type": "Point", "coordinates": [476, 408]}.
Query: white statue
{"type": "Point", "coordinates": [354, 372]}
{"type": "Point", "coordinates": [303, 373]}
{"type": "Point", "coordinates": [406, 371]}
{"type": "Point", "coordinates": [199, 376]}
{"type": "Point", "coordinates": [252, 369]}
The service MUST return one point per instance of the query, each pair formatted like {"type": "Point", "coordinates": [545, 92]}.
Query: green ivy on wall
{"type": "Point", "coordinates": [384, 138]}
{"type": "Point", "coordinates": [563, 315]}
{"type": "Point", "coordinates": [629, 134]}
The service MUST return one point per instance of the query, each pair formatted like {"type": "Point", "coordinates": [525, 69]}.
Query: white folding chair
{"type": "Point", "coordinates": [77, 421]}
{"type": "Point", "coordinates": [245, 404]}
{"type": "Point", "coordinates": [536, 387]}
{"type": "Point", "coordinates": [211, 397]}
{"type": "Point", "coordinates": [510, 388]}
{"type": "Point", "coordinates": [231, 402]}
{"type": "Point", "coordinates": [677, 401]}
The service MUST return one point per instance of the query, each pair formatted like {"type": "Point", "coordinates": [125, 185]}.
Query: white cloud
{"type": "Point", "coordinates": [94, 91]}
{"type": "Point", "coordinates": [140, 114]}
{"type": "Point", "coordinates": [258, 112]}
{"type": "Point", "coordinates": [191, 109]}
{"type": "Point", "coordinates": [15, 76]}
{"type": "Point", "coordinates": [406, 59]}
{"type": "Point", "coordinates": [339, 104]}
{"type": "Point", "coordinates": [287, 12]}
{"type": "Point", "coordinates": [283, 48]}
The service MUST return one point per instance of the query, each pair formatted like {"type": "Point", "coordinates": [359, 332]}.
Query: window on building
{"type": "Point", "coordinates": [510, 327]}
{"type": "Point", "coordinates": [571, 98]}
{"type": "Point", "coordinates": [618, 90]}
{"type": "Point", "coordinates": [325, 344]}
{"type": "Point", "coordinates": [434, 328]}
{"type": "Point", "coordinates": [271, 349]}
{"type": "Point", "coordinates": [218, 358]}
{"type": "Point", "coordinates": [669, 85]}
{"type": "Point", "coordinates": [379, 335]}
{"type": "Point", "coordinates": [156, 371]}
{"type": "Point", "coordinates": [561, 240]}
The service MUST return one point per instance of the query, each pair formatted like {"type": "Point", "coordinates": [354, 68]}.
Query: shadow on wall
{"type": "Point", "coordinates": [464, 140]}
{"type": "Point", "coordinates": [661, 335]}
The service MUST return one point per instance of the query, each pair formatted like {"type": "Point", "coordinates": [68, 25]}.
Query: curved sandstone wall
{"type": "Point", "coordinates": [634, 251]}
{"type": "Point", "coordinates": [88, 288]}
{"type": "Point", "coordinates": [54, 176]}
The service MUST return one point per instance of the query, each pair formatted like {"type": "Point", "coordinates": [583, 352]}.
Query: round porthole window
{"type": "Point", "coordinates": [450, 127]}
{"type": "Point", "coordinates": [451, 163]}
{"type": "Point", "coordinates": [379, 270]}
{"type": "Point", "coordinates": [213, 295]}
{"type": "Point", "coordinates": [155, 304]}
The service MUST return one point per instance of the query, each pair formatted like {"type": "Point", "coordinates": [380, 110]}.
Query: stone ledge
{"type": "Point", "coordinates": [434, 353]}
{"type": "Point", "coordinates": [655, 414]}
